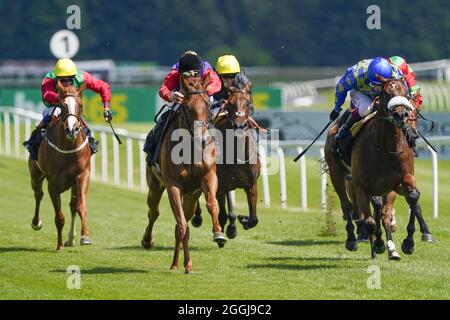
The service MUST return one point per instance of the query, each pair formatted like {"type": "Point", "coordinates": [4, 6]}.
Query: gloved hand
{"type": "Point", "coordinates": [176, 97]}
{"type": "Point", "coordinates": [107, 115]}
{"type": "Point", "coordinates": [334, 115]}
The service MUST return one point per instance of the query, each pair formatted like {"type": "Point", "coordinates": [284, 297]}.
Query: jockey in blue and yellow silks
{"type": "Point", "coordinates": [361, 82]}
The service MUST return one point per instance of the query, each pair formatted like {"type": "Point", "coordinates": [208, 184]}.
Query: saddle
{"type": "Point", "coordinates": [346, 142]}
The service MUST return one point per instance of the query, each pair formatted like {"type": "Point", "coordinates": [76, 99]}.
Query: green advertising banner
{"type": "Point", "coordinates": [137, 104]}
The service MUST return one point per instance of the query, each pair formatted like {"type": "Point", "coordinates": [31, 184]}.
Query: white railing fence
{"type": "Point", "coordinates": [111, 166]}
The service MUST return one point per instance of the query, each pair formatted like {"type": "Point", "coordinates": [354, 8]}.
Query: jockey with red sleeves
{"type": "Point", "coordinates": [190, 61]}
{"type": "Point", "coordinates": [409, 76]}
{"type": "Point", "coordinates": [66, 73]}
{"type": "Point", "coordinates": [169, 91]}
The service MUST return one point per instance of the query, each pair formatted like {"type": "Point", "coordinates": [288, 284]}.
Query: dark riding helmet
{"type": "Point", "coordinates": [190, 61]}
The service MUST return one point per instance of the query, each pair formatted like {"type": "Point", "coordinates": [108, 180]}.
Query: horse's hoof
{"type": "Point", "coordinates": [69, 243]}
{"type": "Point", "coordinates": [393, 255]}
{"type": "Point", "coordinates": [379, 247]}
{"type": "Point", "coordinates": [197, 221]}
{"type": "Point", "coordinates": [219, 238]}
{"type": "Point", "coordinates": [59, 248]}
{"type": "Point", "coordinates": [248, 222]}
{"type": "Point", "coordinates": [36, 227]}
{"type": "Point", "coordinates": [187, 271]}
{"type": "Point", "coordinates": [426, 237]}
{"type": "Point", "coordinates": [408, 247]}
{"type": "Point", "coordinates": [351, 245]}
{"type": "Point", "coordinates": [85, 241]}
{"type": "Point", "coordinates": [231, 231]}
{"type": "Point", "coordinates": [147, 245]}
{"type": "Point", "coordinates": [173, 267]}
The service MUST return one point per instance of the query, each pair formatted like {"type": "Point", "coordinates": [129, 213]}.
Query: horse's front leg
{"type": "Point", "coordinates": [59, 216]}
{"type": "Point", "coordinates": [231, 228]}
{"type": "Point", "coordinates": [363, 204]}
{"type": "Point", "coordinates": [181, 228]}
{"type": "Point", "coordinates": [73, 211]}
{"type": "Point", "coordinates": [379, 245]}
{"type": "Point", "coordinates": [387, 223]}
{"type": "Point", "coordinates": [252, 196]}
{"type": "Point", "coordinates": [82, 190]}
{"type": "Point", "coordinates": [209, 188]}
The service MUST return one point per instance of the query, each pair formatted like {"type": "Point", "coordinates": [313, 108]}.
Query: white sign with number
{"type": "Point", "coordinates": [64, 44]}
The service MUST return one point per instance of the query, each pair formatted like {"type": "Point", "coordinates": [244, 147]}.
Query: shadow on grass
{"type": "Point", "coordinates": [285, 266]}
{"type": "Point", "coordinates": [309, 242]}
{"type": "Point", "coordinates": [156, 248]}
{"type": "Point", "coordinates": [299, 259]}
{"type": "Point", "coordinates": [104, 270]}
{"type": "Point", "coordinates": [20, 249]}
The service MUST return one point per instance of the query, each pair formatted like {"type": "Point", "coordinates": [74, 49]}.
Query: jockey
{"type": "Point", "coordinates": [169, 91]}
{"type": "Point", "coordinates": [66, 73]}
{"type": "Point", "coordinates": [360, 80]}
{"type": "Point", "coordinates": [230, 73]}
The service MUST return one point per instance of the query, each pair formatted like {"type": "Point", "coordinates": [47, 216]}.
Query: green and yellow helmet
{"type": "Point", "coordinates": [227, 64]}
{"type": "Point", "coordinates": [65, 68]}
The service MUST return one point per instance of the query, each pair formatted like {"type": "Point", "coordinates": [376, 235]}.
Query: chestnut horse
{"type": "Point", "coordinates": [382, 162]}
{"type": "Point", "coordinates": [186, 180]}
{"type": "Point", "coordinates": [243, 168]}
{"type": "Point", "coordinates": [64, 160]}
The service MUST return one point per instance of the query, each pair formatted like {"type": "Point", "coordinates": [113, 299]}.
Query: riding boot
{"type": "Point", "coordinates": [33, 143]}
{"type": "Point", "coordinates": [411, 136]}
{"type": "Point", "coordinates": [344, 139]}
{"type": "Point", "coordinates": [152, 140]}
{"type": "Point", "coordinates": [92, 143]}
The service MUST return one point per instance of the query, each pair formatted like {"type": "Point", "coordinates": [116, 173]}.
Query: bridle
{"type": "Point", "coordinates": [197, 123]}
{"type": "Point", "coordinates": [231, 116]}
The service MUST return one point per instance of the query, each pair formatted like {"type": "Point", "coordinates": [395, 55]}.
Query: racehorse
{"type": "Point", "coordinates": [382, 162]}
{"type": "Point", "coordinates": [64, 160]}
{"type": "Point", "coordinates": [186, 180]}
{"type": "Point", "coordinates": [243, 168]}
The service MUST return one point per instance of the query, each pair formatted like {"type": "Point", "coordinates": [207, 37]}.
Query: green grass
{"type": "Point", "coordinates": [284, 257]}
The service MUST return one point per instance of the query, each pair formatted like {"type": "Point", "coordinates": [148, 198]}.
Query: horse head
{"type": "Point", "coordinates": [195, 106]}
{"type": "Point", "coordinates": [238, 106]}
{"type": "Point", "coordinates": [70, 100]}
{"type": "Point", "coordinates": [395, 105]}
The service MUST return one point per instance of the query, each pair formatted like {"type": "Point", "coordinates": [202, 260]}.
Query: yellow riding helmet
{"type": "Point", "coordinates": [227, 64]}
{"type": "Point", "coordinates": [65, 68]}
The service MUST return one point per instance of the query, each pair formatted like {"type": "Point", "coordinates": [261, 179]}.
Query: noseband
{"type": "Point", "coordinates": [198, 123]}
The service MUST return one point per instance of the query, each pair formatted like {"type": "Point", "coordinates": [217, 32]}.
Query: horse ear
{"type": "Point", "coordinates": [59, 86]}
{"type": "Point", "coordinates": [381, 78]}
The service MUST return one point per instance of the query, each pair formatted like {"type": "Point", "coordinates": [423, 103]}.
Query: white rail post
{"type": "Point", "coordinates": [264, 176]}
{"type": "Point", "coordinates": [142, 166]}
{"type": "Point", "coordinates": [435, 182]}
{"type": "Point", "coordinates": [104, 144]}
{"type": "Point", "coordinates": [116, 161]}
{"type": "Point", "coordinates": [27, 133]}
{"type": "Point", "coordinates": [323, 184]}
{"type": "Point", "coordinates": [130, 162]}
{"type": "Point", "coordinates": [283, 192]}
{"type": "Point", "coordinates": [16, 120]}
{"type": "Point", "coordinates": [7, 134]}
{"type": "Point", "coordinates": [303, 185]}
{"type": "Point", "coordinates": [1, 135]}
{"type": "Point", "coordinates": [93, 168]}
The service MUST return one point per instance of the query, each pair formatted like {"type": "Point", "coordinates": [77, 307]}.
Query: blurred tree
{"type": "Point", "coordinates": [259, 32]}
